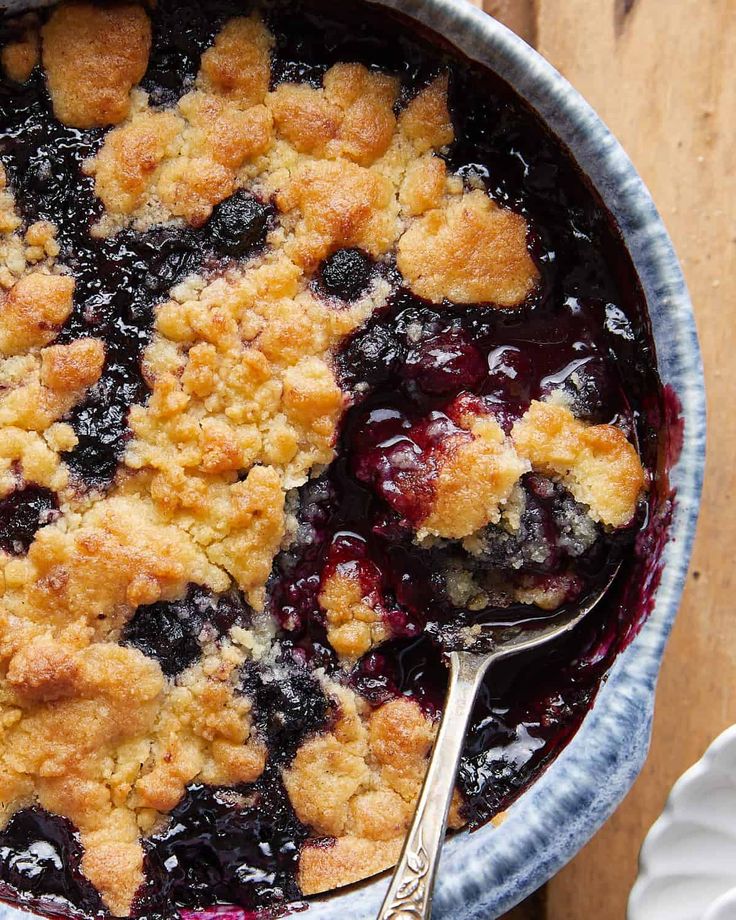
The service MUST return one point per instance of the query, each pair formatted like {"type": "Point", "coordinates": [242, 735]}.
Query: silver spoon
{"type": "Point", "coordinates": [409, 896]}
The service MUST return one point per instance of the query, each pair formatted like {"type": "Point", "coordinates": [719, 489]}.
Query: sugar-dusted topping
{"type": "Point", "coordinates": [474, 480]}
{"type": "Point", "coordinates": [596, 462]}
{"type": "Point", "coordinates": [20, 56]}
{"type": "Point", "coordinates": [469, 250]}
{"type": "Point", "coordinates": [93, 56]}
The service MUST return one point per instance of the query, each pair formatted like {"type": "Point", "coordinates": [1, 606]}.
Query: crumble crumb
{"type": "Point", "coordinates": [18, 58]}
{"type": "Point", "coordinates": [353, 624]}
{"type": "Point", "coordinates": [93, 56]}
{"type": "Point", "coordinates": [423, 186]}
{"type": "Point", "coordinates": [350, 116]}
{"type": "Point", "coordinates": [596, 462]}
{"type": "Point", "coordinates": [126, 164]}
{"type": "Point", "coordinates": [471, 251]}
{"type": "Point", "coordinates": [238, 65]}
{"type": "Point", "coordinates": [426, 120]}
{"type": "Point", "coordinates": [339, 204]}
{"type": "Point", "coordinates": [369, 768]}
{"type": "Point", "coordinates": [33, 311]}
{"type": "Point", "coordinates": [474, 481]}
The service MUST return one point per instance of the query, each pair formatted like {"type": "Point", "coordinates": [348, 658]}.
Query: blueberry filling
{"type": "Point", "coordinates": [22, 513]}
{"type": "Point", "coordinates": [226, 845]}
{"type": "Point", "coordinates": [172, 632]}
{"type": "Point", "coordinates": [288, 704]}
{"type": "Point", "coordinates": [40, 863]}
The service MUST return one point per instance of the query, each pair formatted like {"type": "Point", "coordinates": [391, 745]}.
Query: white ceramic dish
{"type": "Point", "coordinates": [688, 861]}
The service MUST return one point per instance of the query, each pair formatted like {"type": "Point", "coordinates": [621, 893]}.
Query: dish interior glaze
{"type": "Point", "coordinates": [276, 429]}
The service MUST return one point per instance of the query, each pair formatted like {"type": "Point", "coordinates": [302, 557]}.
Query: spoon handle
{"type": "Point", "coordinates": [409, 896]}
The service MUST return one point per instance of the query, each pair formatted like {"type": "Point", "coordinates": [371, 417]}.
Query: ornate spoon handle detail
{"type": "Point", "coordinates": [409, 896]}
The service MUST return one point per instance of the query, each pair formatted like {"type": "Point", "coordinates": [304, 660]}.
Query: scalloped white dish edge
{"type": "Point", "coordinates": [687, 866]}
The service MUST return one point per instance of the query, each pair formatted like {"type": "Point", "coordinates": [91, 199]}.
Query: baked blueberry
{"type": "Point", "coordinates": [22, 512]}
{"type": "Point", "coordinates": [239, 225]}
{"type": "Point", "coordinates": [346, 274]}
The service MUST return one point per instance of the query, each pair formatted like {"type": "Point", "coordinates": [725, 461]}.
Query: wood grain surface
{"type": "Point", "coordinates": [661, 74]}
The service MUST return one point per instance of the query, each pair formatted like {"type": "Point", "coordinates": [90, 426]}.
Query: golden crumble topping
{"type": "Point", "coordinates": [241, 379]}
{"type": "Point", "coordinates": [369, 769]}
{"type": "Point", "coordinates": [19, 251]}
{"type": "Point", "coordinates": [338, 205]}
{"type": "Point", "coordinates": [38, 390]}
{"type": "Point", "coordinates": [352, 116]}
{"type": "Point", "coordinates": [33, 311]}
{"type": "Point", "coordinates": [238, 65]}
{"type": "Point", "coordinates": [596, 462]}
{"type": "Point", "coordinates": [93, 56]}
{"type": "Point", "coordinates": [354, 625]}
{"type": "Point", "coordinates": [343, 170]}
{"type": "Point", "coordinates": [29, 454]}
{"type": "Point", "coordinates": [469, 250]}
{"type": "Point", "coordinates": [19, 57]}
{"type": "Point", "coordinates": [475, 480]}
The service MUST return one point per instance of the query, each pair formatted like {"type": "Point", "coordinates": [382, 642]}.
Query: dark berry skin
{"type": "Point", "coordinates": [22, 513]}
{"type": "Point", "coordinates": [346, 274]}
{"type": "Point", "coordinates": [171, 631]}
{"type": "Point", "coordinates": [40, 859]}
{"type": "Point", "coordinates": [237, 846]}
{"type": "Point", "coordinates": [239, 225]}
{"type": "Point", "coordinates": [445, 363]}
{"type": "Point", "coordinates": [288, 704]}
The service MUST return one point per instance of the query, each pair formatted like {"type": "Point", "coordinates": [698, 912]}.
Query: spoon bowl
{"type": "Point", "coordinates": [409, 896]}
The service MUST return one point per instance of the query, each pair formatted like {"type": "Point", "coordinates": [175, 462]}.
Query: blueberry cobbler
{"type": "Point", "coordinates": [316, 352]}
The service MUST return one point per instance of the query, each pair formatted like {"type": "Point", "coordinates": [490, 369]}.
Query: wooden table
{"type": "Point", "coordinates": [661, 73]}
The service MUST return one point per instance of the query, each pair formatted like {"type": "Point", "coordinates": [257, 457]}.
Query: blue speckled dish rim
{"type": "Point", "coordinates": [485, 873]}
